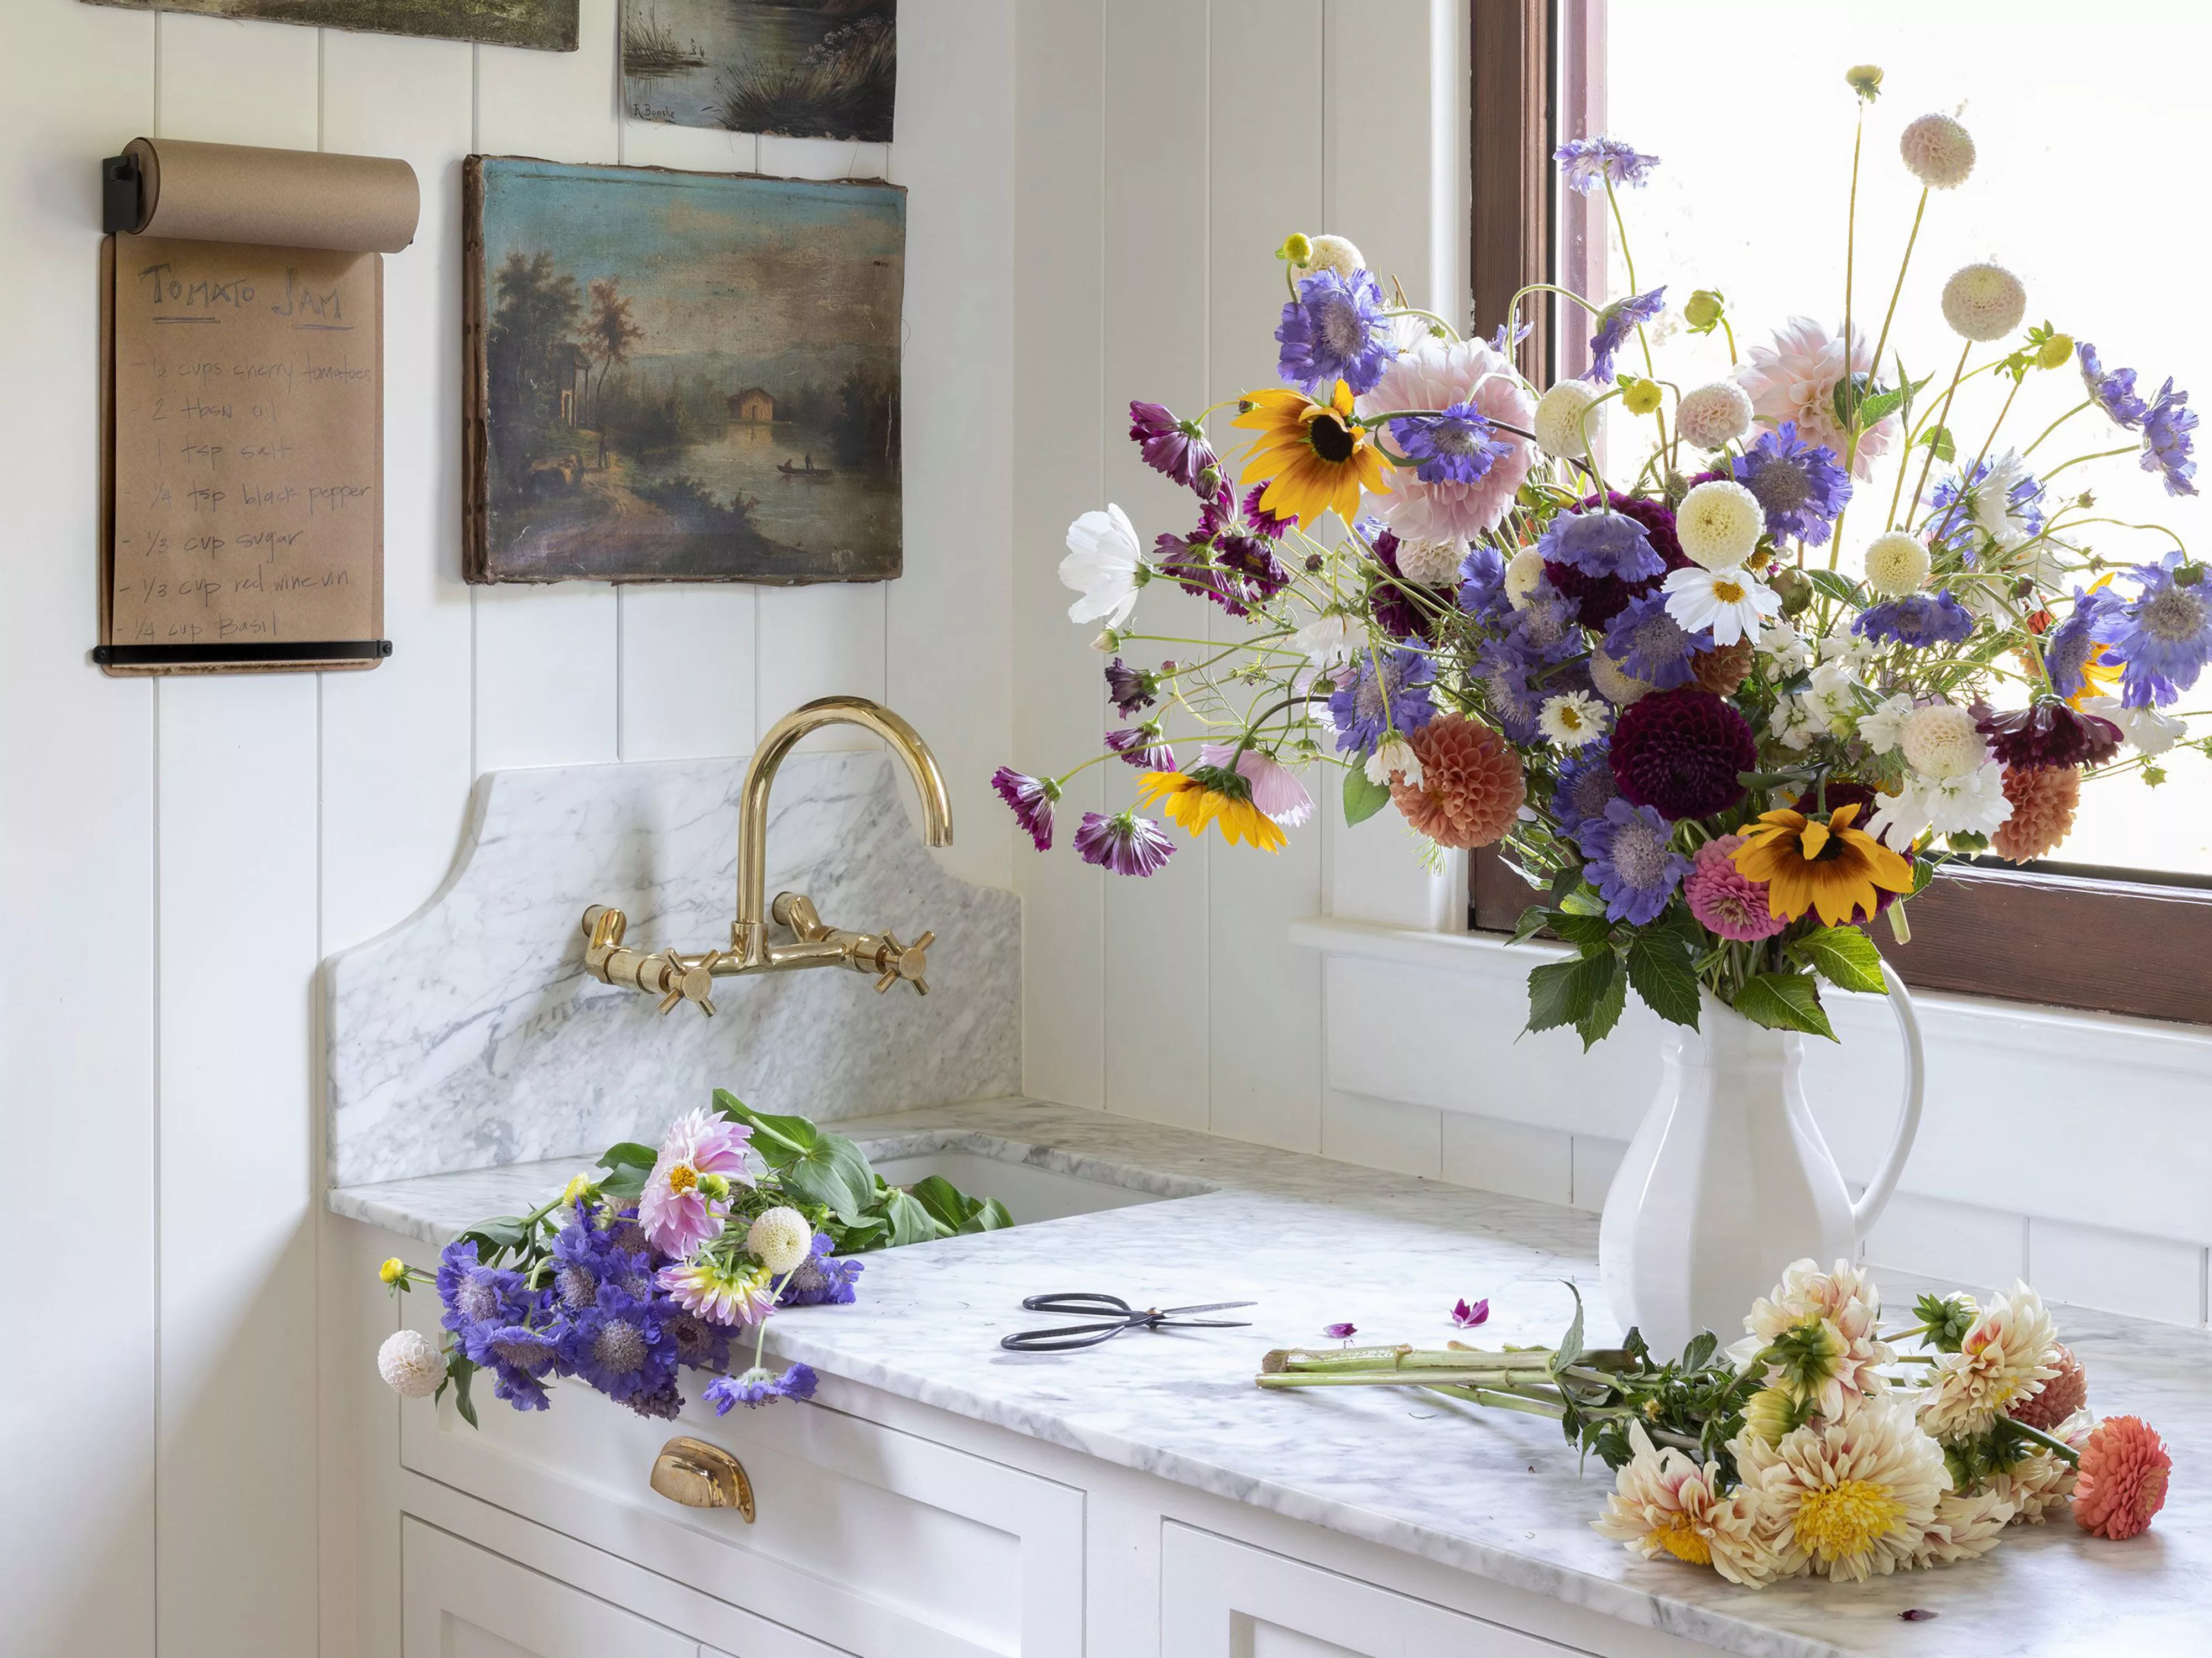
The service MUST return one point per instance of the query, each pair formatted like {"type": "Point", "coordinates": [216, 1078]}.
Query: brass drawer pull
{"type": "Point", "coordinates": [702, 1476]}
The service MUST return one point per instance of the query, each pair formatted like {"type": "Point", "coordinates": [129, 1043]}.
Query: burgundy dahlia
{"type": "Point", "coordinates": [2047, 734]}
{"type": "Point", "coordinates": [1679, 751]}
{"type": "Point", "coordinates": [1598, 599]}
{"type": "Point", "coordinates": [1395, 613]}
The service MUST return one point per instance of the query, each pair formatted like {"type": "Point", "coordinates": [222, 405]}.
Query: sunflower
{"type": "Point", "coordinates": [1314, 460]}
{"type": "Point", "coordinates": [1809, 865]}
{"type": "Point", "coordinates": [1209, 794]}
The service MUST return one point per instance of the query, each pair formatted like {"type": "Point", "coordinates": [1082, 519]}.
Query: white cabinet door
{"type": "Point", "coordinates": [1225, 1599]}
{"type": "Point", "coordinates": [462, 1601]}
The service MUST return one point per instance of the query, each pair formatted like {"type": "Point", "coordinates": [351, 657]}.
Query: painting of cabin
{"type": "Point", "coordinates": [753, 404]}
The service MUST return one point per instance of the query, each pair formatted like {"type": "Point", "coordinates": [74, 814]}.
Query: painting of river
{"type": "Point", "coordinates": [810, 68]}
{"type": "Point", "coordinates": [682, 376]}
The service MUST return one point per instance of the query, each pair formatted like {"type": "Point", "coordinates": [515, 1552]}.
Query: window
{"type": "Point", "coordinates": [2074, 188]}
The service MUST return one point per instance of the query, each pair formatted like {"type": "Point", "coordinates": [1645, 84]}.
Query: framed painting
{"type": "Point", "coordinates": [808, 68]}
{"type": "Point", "coordinates": [548, 25]}
{"type": "Point", "coordinates": [681, 376]}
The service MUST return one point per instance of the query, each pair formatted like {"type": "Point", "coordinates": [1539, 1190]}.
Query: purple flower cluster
{"type": "Point", "coordinates": [1387, 693]}
{"type": "Point", "coordinates": [2168, 448]}
{"type": "Point", "coordinates": [1799, 484]}
{"type": "Point", "coordinates": [1452, 446]}
{"type": "Point", "coordinates": [1954, 497]}
{"type": "Point", "coordinates": [1333, 331]}
{"type": "Point", "coordinates": [1585, 788]}
{"type": "Point", "coordinates": [1650, 644]}
{"type": "Point", "coordinates": [1631, 861]}
{"type": "Point", "coordinates": [1918, 620]}
{"type": "Point", "coordinates": [822, 1279]}
{"type": "Point", "coordinates": [1590, 164]}
{"type": "Point", "coordinates": [1615, 324]}
{"type": "Point", "coordinates": [2113, 389]}
{"type": "Point", "coordinates": [2162, 637]}
{"type": "Point", "coordinates": [756, 1388]}
{"type": "Point", "coordinates": [1602, 545]}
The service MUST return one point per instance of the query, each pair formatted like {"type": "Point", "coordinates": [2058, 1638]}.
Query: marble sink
{"type": "Point", "coordinates": [1035, 1184]}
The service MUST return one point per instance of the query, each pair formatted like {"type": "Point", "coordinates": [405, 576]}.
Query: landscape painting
{"type": "Point", "coordinates": [808, 68]}
{"type": "Point", "coordinates": [548, 25]}
{"type": "Point", "coordinates": [681, 376]}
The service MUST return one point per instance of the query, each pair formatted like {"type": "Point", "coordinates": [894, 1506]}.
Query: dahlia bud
{"type": "Point", "coordinates": [1703, 314]}
{"type": "Point", "coordinates": [1796, 588]}
{"type": "Point", "coordinates": [1864, 79]}
{"type": "Point", "coordinates": [1298, 248]}
{"type": "Point", "coordinates": [2056, 352]}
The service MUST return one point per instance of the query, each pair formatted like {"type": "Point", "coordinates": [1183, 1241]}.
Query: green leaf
{"type": "Point", "coordinates": [1845, 957]}
{"type": "Point", "coordinates": [992, 1217]}
{"type": "Point", "coordinates": [948, 1205]}
{"type": "Point", "coordinates": [780, 1141]}
{"type": "Point", "coordinates": [1550, 992]}
{"type": "Point", "coordinates": [1938, 438]}
{"type": "Point", "coordinates": [1362, 800]}
{"type": "Point", "coordinates": [1530, 924]}
{"type": "Point", "coordinates": [1570, 1345]}
{"type": "Point", "coordinates": [1784, 1001]}
{"type": "Point", "coordinates": [1701, 1350]}
{"type": "Point", "coordinates": [1837, 585]}
{"type": "Point", "coordinates": [834, 1173]}
{"type": "Point", "coordinates": [1588, 934]}
{"type": "Point", "coordinates": [1882, 403]}
{"type": "Point", "coordinates": [629, 1154]}
{"type": "Point", "coordinates": [909, 1222]}
{"type": "Point", "coordinates": [460, 1372]}
{"type": "Point", "coordinates": [1660, 968]}
{"type": "Point", "coordinates": [1609, 994]}
{"type": "Point", "coordinates": [1564, 884]}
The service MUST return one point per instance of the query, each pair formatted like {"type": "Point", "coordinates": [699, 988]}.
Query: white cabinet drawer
{"type": "Point", "coordinates": [462, 1601]}
{"type": "Point", "coordinates": [1225, 1599]}
{"type": "Point", "coordinates": [877, 1542]}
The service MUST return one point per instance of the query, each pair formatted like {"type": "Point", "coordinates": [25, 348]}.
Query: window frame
{"type": "Point", "coordinates": [2104, 940]}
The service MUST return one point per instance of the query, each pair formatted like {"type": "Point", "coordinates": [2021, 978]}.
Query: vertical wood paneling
{"type": "Point", "coordinates": [548, 659]}
{"type": "Point", "coordinates": [1059, 228]}
{"type": "Point", "coordinates": [237, 1558]}
{"type": "Point", "coordinates": [77, 842]}
{"type": "Point", "coordinates": [1264, 998]}
{"type": "Point", "coordinates": [1157, 1002]}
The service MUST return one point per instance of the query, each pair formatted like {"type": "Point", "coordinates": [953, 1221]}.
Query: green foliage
{"type": "Point", "coordinates": [1845, 956]}
{"type": "Point", "coordinates": [1664, 974]}
{"type": "Point", "coordinates": [1362, 799]}
{"type": "Point", "coordinates": [1939, 439]}
{"type": "Point", "coordinates": [1658, 961]}
{"type": "Point", "coordinates": [1784, 1001]}
{"type": "Point", "coordinates": [1838, 586]}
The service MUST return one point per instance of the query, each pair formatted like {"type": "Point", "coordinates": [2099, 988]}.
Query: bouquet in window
{"type": "Point", "coordinates": [1723, 700]}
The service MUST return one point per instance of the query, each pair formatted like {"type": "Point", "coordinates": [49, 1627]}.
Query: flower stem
{"type": "Point", "coordinates": [2055, 424]}
{"type": "Point", "coordinates": [1942, 416]}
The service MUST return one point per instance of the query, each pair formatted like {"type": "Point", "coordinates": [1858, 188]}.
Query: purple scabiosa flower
{"type": "Point", "coordinates": [2162, 637]}
{"type": "Point", "coordinates": [822, 1279]}
{"type": "Point", "coordinates": [2000, 500]}
{"type": "Point", "coordinates": [1482, 582]}
{"type": "Point", "coordinates": [1798, 484]}
{"type": "Point", "coordinates": [1176, 449]}
{"type": "Point", "coordinates": [1505, 346]}
{"type": "Point", "coordinates": [665, 1403]}
{"type": "Point", "coordinates": [518, 1359]}
{"type": "Point", "coordinates": [1602, 545]}
{"type": "Point", "coordinates": [1918, 620]}
{"type": "Point", "coordinates": [1469, 1315]}
{"type": "Point", "coordinates": [1633, 861]}
{"type": "Point", "coordinates": [1615, 324]}
{"type": "Point", "coordinates": [1590, 164]}
{"type": "Point", "coordinates": [1130, 688]}
{"type": "Point", "coordinates": [1650, 644]}
{"type": "Point", "coordinates": [2168, 448]}
{"type": "Point", "coordinates": [1452, 446]}
{"type": "Point", "coordinates": [1140, 746]}
{"type": "Point", "coordinates": [1032, 799]}
{"type": "Point", "coordinates": [1388, 693]}
{"type": "Point", "coordinates": [1125, 844]}
{"type": "Point", "coordinates": [2113, 389]}
{"type": "Point", "coordinates": [586, 1255]}
{"type": "Point", "coordinates": [1585, 788]}
{"type": "Point", "coordinates": [2069, 647]}
{"type": "Point", "coordinates": [1336, 330]}
{"type": "Point", "coordinates": [756, 1388]}
{"type": "Point", "coordinates": [1504, 670]}
{"type": "Point", "coordinates": [621, 1343]}
{"type": "Point", "coordinates": [478, 1299]}
{"type": "Point", "coordinates": [701, 1343]}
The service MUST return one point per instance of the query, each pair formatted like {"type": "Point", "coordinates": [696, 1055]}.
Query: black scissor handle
{"type": "Point", "coordinates": [1078, 1302]}
{"type": "Point", "coordinates": [1066, 1339]}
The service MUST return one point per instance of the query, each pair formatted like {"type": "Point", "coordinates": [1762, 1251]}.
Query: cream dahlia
{"type": "Point", "coordinates": [1964, 1528]}
{"type": "Point", "coordinates": [2007, 1355]}
{"type": "Point", "coordinates": [410, 1364]}
{"type": "Point", "coordinates": [1844, 1299]}
{"type": "Point", "coordinates": [1938, 151]}
{"type": "Point", "coordinates": [1432, 563]}
{"type": "Point", "coordinates": [1983, 303]}
{"type": "Point", "coordinates": [1718, 522]}
{"type": "Point", "coordinates": [1896, 564]}
{"type": "Point", "coordinates": [1614, 682]}
{"type": "Point", "coordinates": [1941, 740]}
{"type": "Point", "coordinates": [1440, 374]}
{"type": "Point", "coordinates": [1523, 571]}
{"type": "Point", "coordinates": [1795, 379]}
{"type": "Point", "coordinates": [1663, 1503]}
{"type": "Point", "coordinates": [779, 1238]}
{"type": "Point", "coordinates": [2036, 1485]}
{"type": "Point", "coordinates": [1849, 1499]}
{"type": "Point", "coordinates": [1713, 416]}
{"type": "Point", "coordinates": [1559, 418]}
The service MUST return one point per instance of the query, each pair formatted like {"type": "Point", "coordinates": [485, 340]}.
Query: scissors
{"type": "Point", "coordinates": [1115, 1315]}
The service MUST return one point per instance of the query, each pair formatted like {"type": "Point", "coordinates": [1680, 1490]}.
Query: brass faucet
{"type": "Point", "coordinates": [675, 977]}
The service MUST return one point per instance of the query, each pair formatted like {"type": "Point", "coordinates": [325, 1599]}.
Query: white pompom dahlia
{"type": "Point", "coordinates": [1983, 303]}
{"type": "Point", "coordinates": [1896, 564]}
{"type": "Point", "coordinates": [1714, 414]}
{"type": "Point", "coordinates": [779, 1239]}
{"type": "Point", "coordinates": [1559, 413]}
{"type": "Point", "coordinates": [1940, 740]}
{"type": "Point", "coordinates": [1938, 151]}
{"type": "Point", "coordinates": [410, 1364]}
{"type": "Point", "coordinates": [1719, 523]}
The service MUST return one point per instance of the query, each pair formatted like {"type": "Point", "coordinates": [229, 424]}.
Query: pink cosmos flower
{"type": "Point", "coordinates": [1275, 788]}
{"type": "Point", "coordinates": [1734, 907]}
{"type": "Point", "coordinates": [677, 1216]}
{"type": "Point", "coordinates": [1438, 375]}
{"type": "Point", "coordinates": [1795, 379]}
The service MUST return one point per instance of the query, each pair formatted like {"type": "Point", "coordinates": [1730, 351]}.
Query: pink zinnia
{"type": "Point", "coordinates": [2121, 1481]}
{"type": "Point", "coordinates": [1438, 375]}
{"type": "Point", "coordinates": [1796, 378]}
{"type": "Point", "coordinates": [1275, 788]}
{"type": "Point", "coordinates": [1733, 907]}
{"type": "Point", "coordinates": [677, 1216]}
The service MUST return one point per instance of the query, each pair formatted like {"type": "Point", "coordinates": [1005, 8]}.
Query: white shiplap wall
{"type": "Point", "coordinates": [180, 854]}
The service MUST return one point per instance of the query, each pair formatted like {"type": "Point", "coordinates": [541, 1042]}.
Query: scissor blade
{"type": "Point", "coordinates": [1210, 1307]}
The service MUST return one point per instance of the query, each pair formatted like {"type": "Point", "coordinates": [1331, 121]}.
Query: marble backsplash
{"type": "Point", "coordinates": [470, 1035]}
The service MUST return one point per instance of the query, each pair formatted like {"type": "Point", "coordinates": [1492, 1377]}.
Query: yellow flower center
{"type": "Point", "coordinates": [1728, 592]}
{"type": "Point", "coordinates": [682, 1177]}
{"type": "Point", "coordinates": [1844, 1520]}
{"type": "Point", "coordinates": [1680, 1537]}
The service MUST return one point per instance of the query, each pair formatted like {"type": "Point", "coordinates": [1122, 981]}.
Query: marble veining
{"type": "Point", "coordinates": [470, 1036]}
{"type": "Point", "coordinates": [1485, 1491]}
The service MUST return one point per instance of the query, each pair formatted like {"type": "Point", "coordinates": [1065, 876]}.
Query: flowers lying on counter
{"type": "Point", "coordinates": [1812, 1447]}
{"type": "Point", "coordinates": [658, 1260]}
{"type": "Point", "coordinates": [1716, 732]}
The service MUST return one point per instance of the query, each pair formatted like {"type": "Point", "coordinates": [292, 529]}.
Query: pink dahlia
{"type": "Point", "coordinates": [1275, 788]}
{"type": "Point", "coordinates": [676, 1215]}
{"type": "Point", "coordinates": [2121, 1481]}
{"type": "Point", "coordinates": [1440, 374]}
{"type": "Point", "coordinates": [1732, 906]}
{"type": "Point", "coordinates": [1796, 378]}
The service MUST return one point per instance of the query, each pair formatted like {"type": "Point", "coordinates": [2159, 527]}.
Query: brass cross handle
{"type": "Point", "coordinates": [900, 961]}
{"type": "Point", "coordinates": [690, 984]}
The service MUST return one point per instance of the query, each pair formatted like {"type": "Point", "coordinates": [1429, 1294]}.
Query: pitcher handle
{"type": "Point", "coordinates": [1868, 1208]}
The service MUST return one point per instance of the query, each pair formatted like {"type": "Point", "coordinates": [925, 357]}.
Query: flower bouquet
{"type": "Point", "coordinates": [659, 1260]}
{"type": "Point", "coordinates": [1814, 1446]}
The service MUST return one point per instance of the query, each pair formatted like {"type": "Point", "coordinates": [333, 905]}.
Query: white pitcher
{"type": "Point", "coordinates": [1728, 1180]}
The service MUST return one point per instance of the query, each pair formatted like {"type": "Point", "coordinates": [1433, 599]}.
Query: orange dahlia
{"type": "Point", "coordinates": [1471, 785]}
{"type": "Point", "coordinates": [2122, 1478]}
{"type": "Point", "coordinates": [2043, 802]}
{"type": "Point", "coordinates": [1314, 458]}
{"type": "Point", "coordinates": [1724, 668]}
{"type": "Point", "coordinates": [1829, 867]}
{"type": "Point", "coordinates": [2059, 1397]}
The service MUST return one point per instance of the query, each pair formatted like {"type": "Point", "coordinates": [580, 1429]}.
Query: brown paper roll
{"type": "Point", "coordinates": [275, 197]}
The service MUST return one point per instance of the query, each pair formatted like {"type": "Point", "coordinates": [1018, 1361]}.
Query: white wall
{"type": "Point", "coordinates": [181, 853]}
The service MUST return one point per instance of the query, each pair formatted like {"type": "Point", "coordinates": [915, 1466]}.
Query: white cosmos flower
{"type": "Point", "coordinates": [1572, 720]}
{"type": "Point", "coordinates": [1394, 754]}
{"type": "Point", "coordinates": [1328, 641]}
{"type": "Point", "coordinates": [2000, 517]}
{"type": "Point", "coordinates": [1105, 564]}
{"type": "Point", "coordinates": [1884, 728]}
{"type": "Point", "coordinates": [1731, 602]}
{"type": "Point", "coordinates": [2151, 731]}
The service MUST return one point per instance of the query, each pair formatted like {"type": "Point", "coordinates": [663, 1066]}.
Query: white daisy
{"type": "Point", "coordinates": [1105, 564]}
{"type": "Point", "coordinates": [1884, 728]}
{"type": "Point", "coordinates": [1573, 720]}
{"type": "Point", "coordinates": [2151, 731]}
{"type": "Point", "coordinates": [1730, 602]}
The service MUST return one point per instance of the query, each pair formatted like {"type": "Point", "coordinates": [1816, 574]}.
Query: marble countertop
{"type": "Point", "coordinates": [1315, 1242]}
